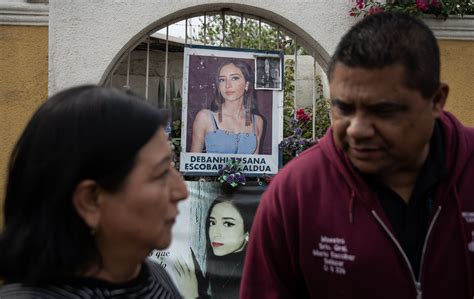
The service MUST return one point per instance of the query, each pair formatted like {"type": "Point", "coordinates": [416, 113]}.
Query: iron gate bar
{"type": "Point", "coordinates": [147, 71]}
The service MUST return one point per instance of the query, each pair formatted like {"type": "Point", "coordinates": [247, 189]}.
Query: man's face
{"type": "Point", "coordinates": [383, 126]}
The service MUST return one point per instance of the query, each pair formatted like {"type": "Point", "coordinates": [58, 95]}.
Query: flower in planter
{"type": "Point", "coordinates": [374, 10]}
{"type": "Point", "coordinates": [436, 4]}
{"type": "Point", "coordinates": [298, 132]}
{"type": "Point", "coordinates": [295, 144]}
{"type": "Point", "coordinates": [230, 173]}
{"type": "Point", "coordinates": [301, 115]}
{"type": "Point", "coordinates": [422, 5]}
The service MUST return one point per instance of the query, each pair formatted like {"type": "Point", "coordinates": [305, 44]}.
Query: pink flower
{"type": "Point", "coordinates": [435, 3]}
{"type": "Point", "coordinates": [360, 4]}
{"type": "Point", "coordinates": [422, 5]}
{"type": "Point", "coordinates": [374, 10]}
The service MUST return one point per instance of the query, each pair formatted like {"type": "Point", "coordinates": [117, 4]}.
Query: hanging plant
{"type": "Point", "coordinates": [438, 8]}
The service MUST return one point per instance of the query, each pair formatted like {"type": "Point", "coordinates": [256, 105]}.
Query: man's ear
{"type": "Point", "coordinates": [86, 203]}
{"type": "Point", "coordinates": [439, 99]}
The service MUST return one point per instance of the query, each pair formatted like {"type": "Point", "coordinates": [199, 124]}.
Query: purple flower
{"type": "Point", "coordinates": [298, 131]}
{"type": "Point", "coordinates": [284, 143]}
{"type": "Point", "coordinates": [302, 142]}
{"type": "Point", "coordinates": [230, 179]}
{"type": "Point", "coordinates": [220, 171]}
{"type": "Point", "coordinates": [242, 179]}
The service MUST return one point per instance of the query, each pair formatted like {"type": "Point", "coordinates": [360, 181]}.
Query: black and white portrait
{"type": "Point", "coordinates": [268, 72]}
{"type": "Point", "coordinates": [210, 240]}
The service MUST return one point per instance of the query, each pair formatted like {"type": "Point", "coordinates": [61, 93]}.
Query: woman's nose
{"type": "Point", "coordinates": [179, 191]}
{"type": "Point", "coordinates": [216, 232]}
{"type": "Point", "coordinates": [228, 83]}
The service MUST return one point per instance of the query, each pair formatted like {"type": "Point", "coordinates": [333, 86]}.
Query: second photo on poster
{"type": "Point", "coordinates": [210, 238]}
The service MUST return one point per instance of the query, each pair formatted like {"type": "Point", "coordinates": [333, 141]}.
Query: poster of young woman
{"type": "Point", "coordinates": [210, 239]}
{"type": "Point", "coordinates": [225, 116]}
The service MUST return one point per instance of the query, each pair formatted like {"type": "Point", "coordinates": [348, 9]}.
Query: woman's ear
{"type": "Point", "coordinates": [86, 203]}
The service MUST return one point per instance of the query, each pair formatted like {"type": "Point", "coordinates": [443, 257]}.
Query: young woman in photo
{"type": "Point", "coordinates": [228, 227]}
{"type": "Point", "coordinates": [232, 124]}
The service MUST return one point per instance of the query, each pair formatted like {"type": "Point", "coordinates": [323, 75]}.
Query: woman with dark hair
{"type": "Point", "coordinates": [232, 125]}
{"type": "Point", "coordinates": [91, 191]}
{"type": "Point", "coordinates": [228, 227]}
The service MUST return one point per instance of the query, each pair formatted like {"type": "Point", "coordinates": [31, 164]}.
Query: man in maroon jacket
{"type": "Point", "coordinates": [383, 205]}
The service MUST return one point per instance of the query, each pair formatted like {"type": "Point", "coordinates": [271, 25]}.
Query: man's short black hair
{"type": "Point", "coordinates": [390, 38]}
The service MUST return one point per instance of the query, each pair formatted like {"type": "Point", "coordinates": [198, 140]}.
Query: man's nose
{"type": "Point", "coordinates": [360, 127]}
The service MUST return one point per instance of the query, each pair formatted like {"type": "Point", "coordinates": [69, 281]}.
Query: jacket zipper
{"type": "Point", "coordinates": [417, 284]}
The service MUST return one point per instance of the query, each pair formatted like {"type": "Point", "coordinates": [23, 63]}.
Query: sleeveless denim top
{"type": "Point", "coordinates": [225, 142]}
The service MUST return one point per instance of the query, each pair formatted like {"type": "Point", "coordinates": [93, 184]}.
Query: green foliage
{"type": "Point", "coordinates": [248, 34]}
{"type": "Point", "coordinates": [175, 134]}
{"type": "Point", "coordinates": [175, 138]}
{"type": "Point", "coordinates": [288, 97]}
{"type": "Point", "coordinates": [321, 118]}
{"type": "Point", "coordinates": [298, 125]}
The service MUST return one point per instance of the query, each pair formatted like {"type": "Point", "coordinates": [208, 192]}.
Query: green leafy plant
{"type": "Point", "coordinates": [175, 133]}
{"type": "Point", "coordinates": [298, 125]}
{"type": "Point", "coordinates": [243, 33]}
{"type": "Point", "coordinates": [322, 121]}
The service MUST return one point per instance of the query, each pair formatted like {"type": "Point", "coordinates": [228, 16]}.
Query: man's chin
{"type": "Point", "coordinates": [367, 167]}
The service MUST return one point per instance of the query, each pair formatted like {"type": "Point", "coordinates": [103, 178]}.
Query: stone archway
{"type": "Point", "coordinates": [85, 41]}
{"type": "Point", "coordinates": [291, 29]}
